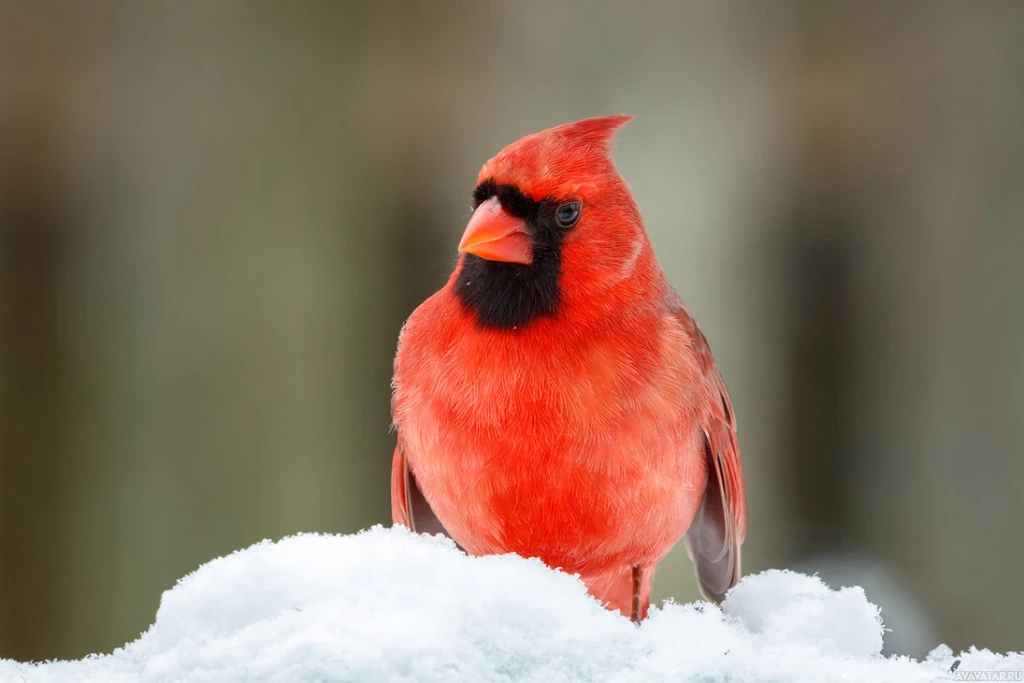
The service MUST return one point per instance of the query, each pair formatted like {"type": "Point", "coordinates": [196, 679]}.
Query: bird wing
{"type": "Point", "coordinates": [720, 525]}
{"type": "Point", "coordinates": [409, 507]}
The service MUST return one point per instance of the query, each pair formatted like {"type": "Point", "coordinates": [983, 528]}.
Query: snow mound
{"type": "Point", "coordinates": [388, 605]}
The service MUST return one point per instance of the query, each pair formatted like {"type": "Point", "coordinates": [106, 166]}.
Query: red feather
{"type": "Point", "coordinates": [594, 438]}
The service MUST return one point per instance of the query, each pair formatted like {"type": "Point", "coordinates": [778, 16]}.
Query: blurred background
{"type": "Point", "coordinates": [214, 218]}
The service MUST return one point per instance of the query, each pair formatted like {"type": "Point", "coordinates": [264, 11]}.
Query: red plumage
{"type": "Point", "coordinates": [555, 399]}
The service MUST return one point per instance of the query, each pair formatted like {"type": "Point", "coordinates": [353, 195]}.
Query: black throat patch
{"type": "Point", "coordinates": [507, 295]}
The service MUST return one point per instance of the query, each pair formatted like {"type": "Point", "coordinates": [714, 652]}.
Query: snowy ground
{"type": "Point", "coordinates": [385, 605]}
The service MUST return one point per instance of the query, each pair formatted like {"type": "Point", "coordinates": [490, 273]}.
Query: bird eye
{"type": "Point", "coordinates": [567, 214]}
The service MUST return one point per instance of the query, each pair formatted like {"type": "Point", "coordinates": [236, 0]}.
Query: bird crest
{"type": "Point", "coordinates": [557, 161]}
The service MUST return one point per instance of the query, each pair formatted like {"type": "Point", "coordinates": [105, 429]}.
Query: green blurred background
{"type": "Point", "coordinates": [214, 217]}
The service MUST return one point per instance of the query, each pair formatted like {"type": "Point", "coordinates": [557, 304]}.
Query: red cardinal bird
{"type": "Point", "coordinates": [555, 399]}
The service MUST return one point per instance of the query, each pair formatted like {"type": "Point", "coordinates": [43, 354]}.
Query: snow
{"type": "Point", "coordinates": [388, 605]}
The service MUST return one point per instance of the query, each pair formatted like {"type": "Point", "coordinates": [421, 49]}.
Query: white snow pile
{"type": "Point", "coordinates": [388, 605]}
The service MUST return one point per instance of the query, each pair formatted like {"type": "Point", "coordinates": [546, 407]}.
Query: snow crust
{"type": "Point", "coordinates": [388, 605]}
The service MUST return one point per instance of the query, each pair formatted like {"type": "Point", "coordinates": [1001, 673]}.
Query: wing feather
{"type": "Point", "coordinates": [717, 531]}
{"type": "Point", "coordinates": [409, 507]}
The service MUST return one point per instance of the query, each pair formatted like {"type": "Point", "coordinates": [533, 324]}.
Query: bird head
{"type": "Point", "coordinates": [553, 226]}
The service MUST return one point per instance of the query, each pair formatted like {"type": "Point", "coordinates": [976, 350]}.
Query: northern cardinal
{"type": "Point", "coordinates": [555, 399]}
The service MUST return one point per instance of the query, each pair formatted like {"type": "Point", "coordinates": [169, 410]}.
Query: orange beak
{"type": "Point", "coordinates": [495, 235]}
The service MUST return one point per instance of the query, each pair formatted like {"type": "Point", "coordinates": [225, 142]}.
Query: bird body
{"type": "Point", "coordinates": [555, 399]}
